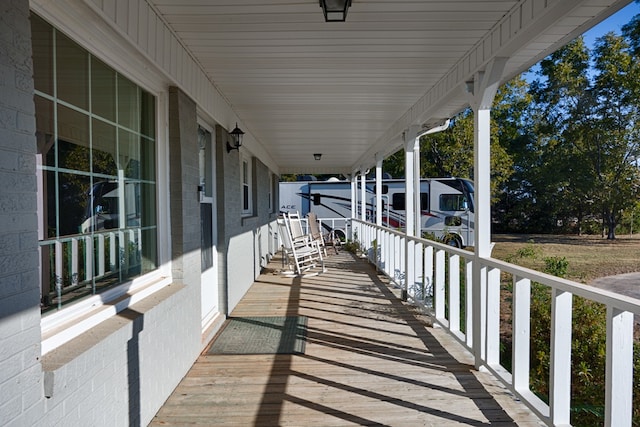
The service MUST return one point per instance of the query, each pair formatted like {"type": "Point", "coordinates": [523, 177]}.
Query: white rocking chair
{"type": "Point", "coordinates": [299, 252]}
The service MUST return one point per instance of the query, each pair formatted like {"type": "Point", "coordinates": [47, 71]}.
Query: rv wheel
{"type": "Point", "coordinates": [339, 234]}
{"type": "Point", "coordinates": [454, 241]}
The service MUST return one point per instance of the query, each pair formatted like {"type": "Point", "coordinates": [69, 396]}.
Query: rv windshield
{"type": "Point", "coordinates": [469, 192]}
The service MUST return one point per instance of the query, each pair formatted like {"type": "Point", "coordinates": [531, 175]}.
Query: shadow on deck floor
{"type": "Point", "coordinates": [370, 359]}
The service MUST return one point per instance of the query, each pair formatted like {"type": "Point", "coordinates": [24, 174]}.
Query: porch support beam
{"type": "Point", "coordinates": [363, 194]}
{"type": "Point", "coordinates": [379, 159]}
{"type": "Point", "coordinates": [481, 91]}
{"type": "Point", "coordinates": [411, 147]}
{"type": "Point", "coordinates": [354, 194]}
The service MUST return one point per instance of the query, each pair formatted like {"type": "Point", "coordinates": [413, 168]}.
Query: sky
{"type": "Point", "coordinates": [613, 23]}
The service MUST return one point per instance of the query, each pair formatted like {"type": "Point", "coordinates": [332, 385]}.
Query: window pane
{"type": "Point", "coordinates": [148, 159]}
{"type": "Point", "coordinates": [398, 201]}
{"type": "Point", "coordinates": [103, 148]}
{"type": "Point", "coordinates": [73, 140]}
{"type": "Point", "coordinates": [49, 190]}
{"type": "Point", "coordinates": [206, 241]}
{"type": "Point", "coordinates": [103, 207]}
{"type": "Point", "coordinates": [72, 72]}
{"type": "Point", "coordinates": [129, 154]}
{"type": "Point", "coordinates": [147, 205]}
{"type": "Point", "coordinates": [147, 114]}
{"type": "Point", "coordinates": [131, 204]}
{"type": "Point", "coordinates": [42, 45]}
{"type": "Point", "coordinates": [149, 250]}
{"type": "Point", "coordinates": [245, 198]}
{"type": "Point", "coordinates": [103, 90]}
{"type": "Point", "coordinates": [424, 201]}
{"type": "Point", "coordinates": [73, 192]}
{"type": "Point", "coordinates": [245, 172]}
{"type": "Point", "coordinates": [45, 131]}
{"type": "Point", "coordinates": [128, 108]}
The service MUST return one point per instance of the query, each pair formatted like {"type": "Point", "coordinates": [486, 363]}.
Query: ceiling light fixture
{"type": "Point", "coordinates": [335, 10]}
{"type": "Point", "coordinates": [317, 156]}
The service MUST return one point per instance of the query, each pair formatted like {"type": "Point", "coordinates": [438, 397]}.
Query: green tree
{"type": "Point", "coordinates": [585, 122]}
{"type": "Point", "coordinates": [612, 142]}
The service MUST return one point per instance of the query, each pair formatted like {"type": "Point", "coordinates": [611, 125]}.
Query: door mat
{"type": "Point", "coordinates": [262, 335]}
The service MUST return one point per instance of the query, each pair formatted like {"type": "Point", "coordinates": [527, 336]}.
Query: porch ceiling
{"type": "Point", "coordinates": [347, 90]}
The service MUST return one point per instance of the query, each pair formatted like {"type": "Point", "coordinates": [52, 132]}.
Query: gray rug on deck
{"type": "Point", "coordinates": [262, 335]}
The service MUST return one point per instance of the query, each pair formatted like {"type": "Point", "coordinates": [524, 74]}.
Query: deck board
{"type": "Point", "coordinates": [369, 360]}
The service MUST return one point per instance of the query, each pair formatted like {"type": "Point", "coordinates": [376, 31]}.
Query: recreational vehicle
{"type": "Point", "coordinates": [446, 205]}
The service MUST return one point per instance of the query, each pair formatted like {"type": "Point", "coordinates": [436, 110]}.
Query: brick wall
{"type": "Point", "coordinates": [20, 372]}
{"type": "Point", "coordinates": [242, 241]}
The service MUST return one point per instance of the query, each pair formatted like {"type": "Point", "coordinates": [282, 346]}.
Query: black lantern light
{"type": "Point", "coordinates": [236, 135]}
{"type": "Point", "coordinates": [317, 156]}
{"type": "Point", "coordinates": [335, 10]}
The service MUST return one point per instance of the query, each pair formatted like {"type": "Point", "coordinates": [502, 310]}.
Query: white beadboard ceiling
{"type": "Point", "coordinates": [301, 86]}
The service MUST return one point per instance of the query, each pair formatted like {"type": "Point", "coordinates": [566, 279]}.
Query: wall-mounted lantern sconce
{"type": "Point", "coordinates": [335, 10]}
{"type": "Point", "coordinates": [236, 136]}
{"type": "Point", "coordinates": [317, 156]}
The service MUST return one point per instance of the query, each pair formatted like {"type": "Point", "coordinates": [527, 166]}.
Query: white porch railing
{"type": "Point", "coordinates": [470, 310]}
{"type": "Point", "coordinates": [73, 265]}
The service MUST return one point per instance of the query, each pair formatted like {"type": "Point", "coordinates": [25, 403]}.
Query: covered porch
{"type": "Point", "coordinates": [370, 359]}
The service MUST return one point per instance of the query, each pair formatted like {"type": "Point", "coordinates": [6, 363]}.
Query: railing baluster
{"type": "Point", "coordinates": [560, 381]}
{"type": "Point", "coordinates": [439, 284]}
{"type": "Point", "coordinates": [101, 255]}
{"type": "Point", "coordinates": [521, 333]}
{"type": "Point", "coordinates": [88, 258]}
{"type": "Point", "coordinates": [409, 269]}
{"type": "Point", "coordinates": [619, 371]}
{"type": "Point", "coordinates": [468, 285]}
{"type": "Point", "coordinates": [419, 269]}
{"type": "Point", "coordinates": [113, 246]}
{"type": "Point", "coordinates": [454, 293]}
{"type": "Point", "coordinates": [493, 316]}
{"type": "Point", "coordinates": [428, 272]}
{"type": "Point", "coordinates": [74, 262]}
{"type": "Point", "coordinates": [59, 248]}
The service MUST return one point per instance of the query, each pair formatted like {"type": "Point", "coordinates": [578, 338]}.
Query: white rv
{"type": "Point", "coordinates": [447, 205]}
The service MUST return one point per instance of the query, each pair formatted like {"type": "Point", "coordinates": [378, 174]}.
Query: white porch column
{"type": "Point", "coordinates": [416, 189]}
{"type": "Point", "coordinates": [354, 195]}
{"type": "Point", "coordinates": [363, 194]}
{"type": "Point", "coordinates": [379, 159]}
{"type": "Point", "coordinates": [482, 91]}
{"type": "Point", "coordinates": [410, 142]}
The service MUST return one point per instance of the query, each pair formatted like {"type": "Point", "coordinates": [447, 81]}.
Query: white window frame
{"type": "Point", "coordinates": [271, 192]}
{"type": "Point", "coordinates": [62, 326]}
{"type": "Point", "coordinates": [246, 184]}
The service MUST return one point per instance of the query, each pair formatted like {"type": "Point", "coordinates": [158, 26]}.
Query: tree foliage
{"type": "Point", "coordinates": [576, 161]}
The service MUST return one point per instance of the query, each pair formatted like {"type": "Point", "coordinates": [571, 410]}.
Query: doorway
{"type": "Point", "coordinates": [208, 252]}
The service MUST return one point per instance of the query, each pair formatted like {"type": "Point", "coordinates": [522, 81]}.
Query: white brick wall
{"type": "Point", "coordinates": [20, 372]}
{"type": "Point", "coordinates": [123, 370]}
{"type": "Point", "coordinates": [120, 372]}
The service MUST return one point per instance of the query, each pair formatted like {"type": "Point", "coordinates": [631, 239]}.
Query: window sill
{"type": "Point", "coordinates": [71, 326]}
{"type": "Point", "coordinates": [250, 219]}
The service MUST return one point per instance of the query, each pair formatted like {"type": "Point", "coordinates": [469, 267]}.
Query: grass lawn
{"type": "Point", "coordinates": [589, 257]}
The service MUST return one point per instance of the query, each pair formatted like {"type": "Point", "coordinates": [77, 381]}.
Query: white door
{"type": "Point", "coordinates": [209, 254]}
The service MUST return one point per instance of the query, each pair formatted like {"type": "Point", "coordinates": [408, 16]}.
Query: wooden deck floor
{"type": "Point", "coordinates": [369, 360]}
